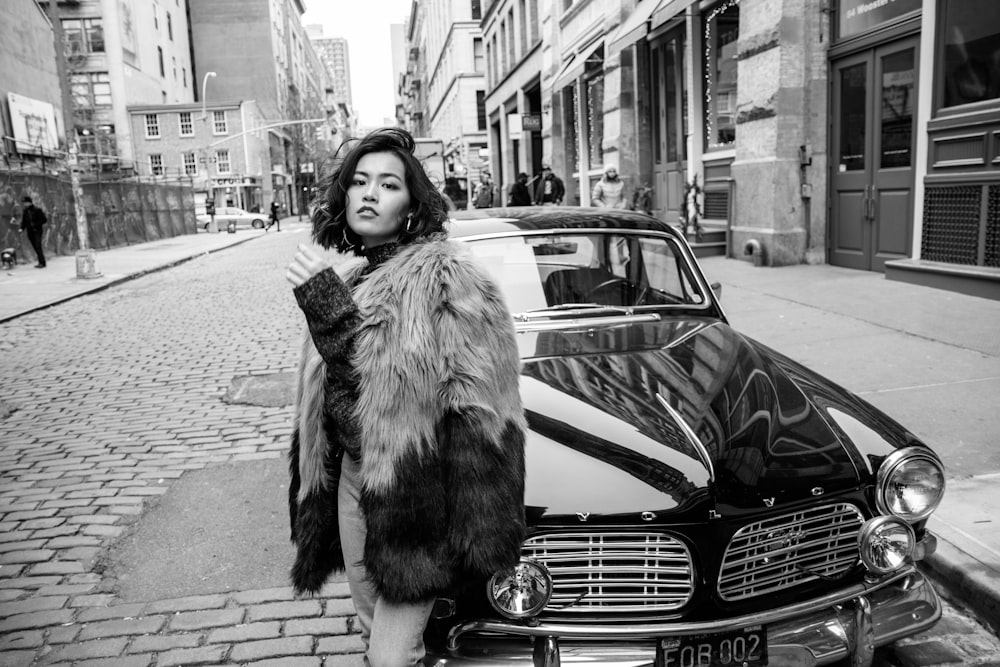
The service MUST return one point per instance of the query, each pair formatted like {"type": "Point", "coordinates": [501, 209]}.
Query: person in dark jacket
{"type": "Point", "coordinates": [519, 195]}
{"type": "Point", "coordinates": [550, 189]}
{"type": "Point", "coordinates": [407, 453]}
{"type": "Point", "coordinates": [275, 220]}
{"type": "Point", "coordinates": [33, 220]}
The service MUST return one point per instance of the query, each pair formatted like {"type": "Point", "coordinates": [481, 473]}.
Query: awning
{"type": "Point", "coordinates": [667, 10]}
{"type": "Point", "coordinates": [634, 27]}
{"type": "Point", "coordinates": [575, 66]}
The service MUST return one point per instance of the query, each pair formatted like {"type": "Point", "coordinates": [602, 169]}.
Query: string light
{"type": "Point", "coordinates": [709, 69]}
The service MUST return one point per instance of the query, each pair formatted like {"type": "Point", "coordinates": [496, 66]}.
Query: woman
{"type": "Point", "coordinates": [609, 192]}
{"type": "Point", "coordinates": [407, 456]}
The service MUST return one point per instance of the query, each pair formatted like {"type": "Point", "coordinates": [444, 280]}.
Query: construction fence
{"type": "Point", "coordinates": [120, 212]}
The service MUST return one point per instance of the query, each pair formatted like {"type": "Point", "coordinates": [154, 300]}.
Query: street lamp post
{"type": "Point", "coordinates": [210, 195]}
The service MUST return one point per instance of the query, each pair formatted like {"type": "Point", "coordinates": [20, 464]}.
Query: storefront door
{"type": "Point", "coordinates": [669, 116]}
{"type": "Point", "coordinates": [871, 156]}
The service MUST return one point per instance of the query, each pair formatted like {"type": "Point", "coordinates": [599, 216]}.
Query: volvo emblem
{"type": "Point", "coordinates": [817, 491]}
{"type": "Point", "coordinates": [583, 516]}
{"type": "Point", "coordinates": [648, 516]}
{"type": "Point", "coordinates": [769, 502]}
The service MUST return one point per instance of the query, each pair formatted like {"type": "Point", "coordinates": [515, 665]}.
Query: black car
{"type": "Point", "coordinates": [693, 497]}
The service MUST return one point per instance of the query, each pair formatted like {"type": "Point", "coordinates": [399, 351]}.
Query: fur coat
{"type": "Point", "coordinates": [438, 421]}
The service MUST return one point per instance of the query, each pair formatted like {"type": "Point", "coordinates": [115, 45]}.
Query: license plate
{"type": "Point", "coordinates": [742, 648]}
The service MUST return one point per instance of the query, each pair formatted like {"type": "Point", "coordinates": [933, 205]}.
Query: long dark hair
{"type": "Point", "coordinates": [427, 206]}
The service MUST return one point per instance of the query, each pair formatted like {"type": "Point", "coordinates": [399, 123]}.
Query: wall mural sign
{"type": "Point", "coordinates": [34, 124]}
{"type": "Point", "coordinates": [859, 15]}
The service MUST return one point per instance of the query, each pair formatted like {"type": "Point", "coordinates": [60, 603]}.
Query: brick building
{"type": "Point", "coordinates": [216, 146]}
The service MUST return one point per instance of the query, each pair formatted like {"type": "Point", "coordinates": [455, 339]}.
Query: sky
{"type": "Point", "coordinates": [365, 24]}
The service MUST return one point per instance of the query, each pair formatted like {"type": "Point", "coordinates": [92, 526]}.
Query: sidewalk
{"type": "Point", "coordinates": [864, 332]}
{"type": "Point", "coordinates": [25, 289]}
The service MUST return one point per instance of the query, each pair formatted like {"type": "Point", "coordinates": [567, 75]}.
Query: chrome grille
{"type": "Point", "coordinates": [613, 575]}
{"type": "Point", "coordinates": [790, 549]}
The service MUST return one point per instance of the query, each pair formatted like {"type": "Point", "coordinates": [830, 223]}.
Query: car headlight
{"type": "Point", "coordinates": [523, 592]}
{"type": "Point", "coordinates": [910, 484]}
{"type": "Point", "coordinates": [886, 544]}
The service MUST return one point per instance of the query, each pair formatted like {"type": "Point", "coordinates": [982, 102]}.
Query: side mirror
{"type": "Point", "coordinates": [717, 289]}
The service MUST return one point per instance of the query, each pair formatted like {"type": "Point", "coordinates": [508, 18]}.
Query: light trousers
{"type": "Point", "coordinates": [393, 633]}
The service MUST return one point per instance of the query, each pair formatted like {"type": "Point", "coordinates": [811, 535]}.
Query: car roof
{"type": "Point", "coordinates": [539, 218]}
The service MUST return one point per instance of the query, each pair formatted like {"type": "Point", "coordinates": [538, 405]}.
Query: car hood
{"type": "Point", "coordinates": [602, 444]}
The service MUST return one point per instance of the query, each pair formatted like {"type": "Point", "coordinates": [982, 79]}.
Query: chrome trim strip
{"type": "Point", "coordinates": [521, 326]}
{"type": "Point", "coordinates": [674, 629]}
{"type": "Point", "coordinates": [706, 458]}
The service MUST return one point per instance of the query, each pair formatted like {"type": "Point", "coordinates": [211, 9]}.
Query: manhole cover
{"type": "Point", "coordinates": [272, 391]}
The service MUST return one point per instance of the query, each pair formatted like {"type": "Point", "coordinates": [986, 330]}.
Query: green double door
{"type": "Point", "coordinates": [872, 155]}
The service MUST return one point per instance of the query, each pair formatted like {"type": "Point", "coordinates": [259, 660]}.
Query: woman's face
{"type": "Point", "coordinates": [378, 199]}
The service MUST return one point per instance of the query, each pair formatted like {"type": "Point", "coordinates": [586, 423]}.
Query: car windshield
{"type": "Point", "coordinates": [600, 270]}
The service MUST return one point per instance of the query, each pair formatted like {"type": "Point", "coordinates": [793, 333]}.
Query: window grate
{"type": "Point", "coordinates": [951, 224]}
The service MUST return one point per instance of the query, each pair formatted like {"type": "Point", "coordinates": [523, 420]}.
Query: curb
{"type": "Point", "coordinates": [125, 278]}
{"type": "Point", "coordinates": [965, 581]}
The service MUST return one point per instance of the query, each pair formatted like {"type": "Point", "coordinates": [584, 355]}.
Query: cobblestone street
{"type": "Point", "coordinates": [108, 401]}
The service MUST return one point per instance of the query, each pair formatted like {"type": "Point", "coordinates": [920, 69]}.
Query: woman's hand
{"type": "Point", "coordinates": [305, 265]}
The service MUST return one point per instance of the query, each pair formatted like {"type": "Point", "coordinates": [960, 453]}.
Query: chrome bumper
{"type": "Point", "coordinates": [849, 623]}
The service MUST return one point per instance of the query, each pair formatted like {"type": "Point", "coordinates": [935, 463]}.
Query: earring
{"type": "Point", "coordinates": [409, 223]}
{"type": "Point", "coordinates": [347, 242]}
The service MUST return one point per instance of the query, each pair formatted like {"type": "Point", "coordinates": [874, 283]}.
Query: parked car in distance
{"type": "Point", "coordinates": [693, 497]}
{"type": "Point", "coordinates": [225, 214]}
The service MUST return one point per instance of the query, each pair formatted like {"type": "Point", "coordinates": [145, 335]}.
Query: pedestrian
{"type": "Point", "coordinates": [483, 197]}
{"type": "Point", "coordinates": [550, 190]}
{"type": "Point", "coordinates": [275, 220]}
{"type": "Point", "coordinates": [407, 453]}
{"type": "Point", "coordinates": [609, 192]}
{"type": "Point", "coordinates": [519, 195]}
{"type": "Point", "coordinates": [33, 220]}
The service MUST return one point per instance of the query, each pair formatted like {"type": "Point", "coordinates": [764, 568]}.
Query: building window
{"type": "Point", "coordinates": [523, 25]}
{"type": "Point", "coordinates": [510, 39]}
{"type": "Point", "coordinates": [159, 52]}
{"type": "Point", "coordinates": [156, 164]}
{"type": "Point", "coordinates": [503, 48]}
{"type": "Point", "coordinates": [222, 162]}
{"type": "Point", "coordinates": [152, 126]}
{"type": "Point", "coordinates": [722, 30]}
{"type": "Point", "coordinates": [184, 76]}
{"type": "Point", "coordinates": [477, 54]}
{"type": "Point", "coordinates": [971, 60]}
{"type": "Point", "coordinates": [219, 124]}
{"type": "Point", "coordinates": [593, 90]}
{"type": "Point", "coordinates": [156, 17]}
{"type": "Point", "coordinates": [186, 125]}
{"type": "Point", "coordinates": [190, 164]}
{"type": "Point", "coordinates": [481, 109]}
{"type": "Point", "coordinates": [173, 63]}
{"type": "Point", "coordinates": [83, 36]}
{"type": "Point", "coordinates": [571, 126]}
{"type": "Point", "coordinates": [477, 10]}
{"type": "Point", "coordinates": [90, 89]}
{"type": "Point", "coordinates": [170, 28]}
{"type": "Point", "coordinates": [533, 20]}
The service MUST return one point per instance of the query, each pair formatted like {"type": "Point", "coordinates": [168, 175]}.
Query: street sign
{"type": "Point", "coordinates": [531, 122]}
